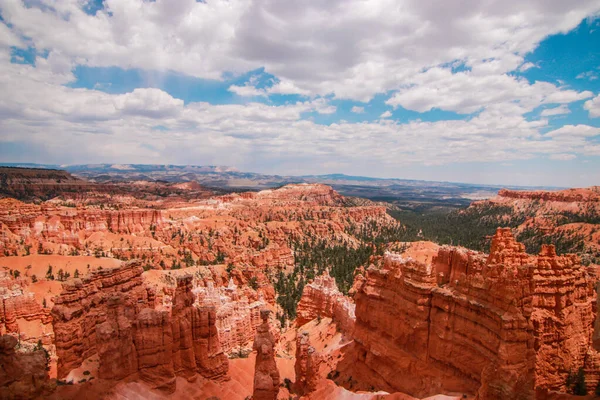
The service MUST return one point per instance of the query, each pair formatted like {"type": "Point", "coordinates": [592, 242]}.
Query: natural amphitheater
{"type": "Point", "coordinates": [113, 291]}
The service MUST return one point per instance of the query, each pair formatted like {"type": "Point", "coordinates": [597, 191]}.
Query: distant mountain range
{"type": "Point", "coordinates": [223, 177]}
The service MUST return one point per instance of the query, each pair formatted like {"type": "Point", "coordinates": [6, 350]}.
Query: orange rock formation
{"type": "Point", "coordinates": [307, 365]}
{"type": "Point", "coordinates": [266, 374]}
{"type": "Point", "coordinates": [501, 326]}
{"type": "Point", "coordinates": [108, 313]}
{"type": "Point", "coordinates": [321, 298]}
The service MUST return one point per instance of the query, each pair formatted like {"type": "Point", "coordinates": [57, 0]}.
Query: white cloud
{"type": "Point", "coordinates": [593, 107]}
{"type": "Point", "coordinates": [353, 49]}
{"type": "Point", "coordinates": [358, 110]}
{"type": "Point", "coordinates": [527, 66]}
{"type": "Point", "coordinates": [590, 75]}
{"type": "Point", "coordinates": [560, 110]}
{"type": "Point", "coordinates": [465, 92]}
{"type": "Point", "coordinates": [153, 103]}
{"type": "Point", "coordinates": [118, 128]}
{"type": "Point", "coordinates": [246, 90]}
{"type": "Point", "coordinates": [563, 156]}
{"type": "Point", "coordinates": [350, 49]}
{"type": "Point", "coordinates": [287, 87]}
{"type": "Point", "coordinates": [574, 131]}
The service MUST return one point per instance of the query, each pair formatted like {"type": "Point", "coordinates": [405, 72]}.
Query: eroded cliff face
{"type": "Point", "coordinates": [109, 313]}
{"type": "Point", "coordinates": [237, 314]}
{"type": "Point", "coordinates": [321, 298]}
{"type": "Point", "coordinates": [19, 310]}
{"type": "Point", "coordinates": [454, 320]}
{"type": "Point", "coordinates": [587, 195]}
{"type": "Point", "coordinates": [23, 373]}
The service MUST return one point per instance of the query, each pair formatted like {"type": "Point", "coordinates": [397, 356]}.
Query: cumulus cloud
{"type": "Point", "coordinates": [560, 110]}
{"type": "Point", "coordinates": [149, 102]}
{"type": "Point", "coordinates": [246, 90]}
{"type": "Point", "coordinates": [358, 110]}
{"type": "Point", "coordinates": [120, 128]}
{"type": "Point", "coordinates": [572, 131]}
{"type": "Point", "coordinates": [424, 56]}
{"type": "Point", "coordinates": [593, 106]}
{"type": "Point", "coordinates": [371, 47]}
{"type": "Point", "coordinates": [466, 93]}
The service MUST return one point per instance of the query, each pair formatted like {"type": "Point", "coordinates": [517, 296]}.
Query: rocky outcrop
{"type": "Point", "coordinates": [153, 340]}
{"type": "Point", "coordinates": [266, 374]}
{"type": "Point", "coordinates": [114, 342]}
{"type": "Point", "coordinates": [321, 298]}
{"type": "Point", "coordinates": [500, 326]}
{"type": "Point", "coordinates": [306, 366]}
{"type": "Point", "coordinates": [23, 374]}
{"type": "Point", "coordinates": [82, 306]}
{"type": "Point", "coordinates": [19, 307]}
{"type": "Point", "coordinates": [108, 313]}
{"type": "Point", "coordinates": [38, 183]}
{"type": "Point", "coordinates": [315, 194]}
{"type": "Point", "coordinates": [237, 316]}
{"type": "Point", "coordinates": [591, 194]}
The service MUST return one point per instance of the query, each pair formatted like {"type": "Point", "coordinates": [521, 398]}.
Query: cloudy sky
{"type": "Point", "coordinates": [486, 91]}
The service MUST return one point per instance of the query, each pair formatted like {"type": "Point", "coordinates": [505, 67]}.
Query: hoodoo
{"type": "Point", "coordinates": [307, 365]}
{"type": "Point", "coordinates": [266, 374]}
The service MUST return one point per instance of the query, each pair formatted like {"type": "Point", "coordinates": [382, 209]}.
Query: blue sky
{"type": "Point", "coordinates": [499, 93]}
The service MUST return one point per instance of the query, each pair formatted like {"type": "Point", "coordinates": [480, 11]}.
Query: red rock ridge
{"type": "Point", "coordinates": [321, 298]}
{"type": "Point", "coordinates": [109, 313]}
{"type": "Point", "coordinates": [500, 327]}
{"type": "Point", "coordinates": [591, 194]}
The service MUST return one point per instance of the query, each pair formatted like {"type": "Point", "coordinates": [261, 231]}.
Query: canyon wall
{"type": "Point", "coordinates": [591, 194]}
{"type": "Point", "coordinates": [109, 313]}
{"type": "Point", "coordinates": [500, 326]}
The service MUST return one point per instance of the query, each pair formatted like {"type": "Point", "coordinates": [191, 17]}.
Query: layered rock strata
{"type": "Point", "coordinates": [266, 374]}
{"type": "Point", "coordinates": [321, 298]}
{"type": "Point", "coordinates": [237, 315]}
{"type": "Point", "coordinates": [500, 326]}
{"type": "Point", "coordinates": [19, 307]}
{"type": "Point", "coordinates": [108, 313]}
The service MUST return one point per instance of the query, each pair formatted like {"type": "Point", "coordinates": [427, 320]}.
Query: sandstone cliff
{"type": "Point", "coordinates": [500, 326]}
{"type": "Point", "coordinates": [108, 313]}
{"type": "Point", "coordinates": [321, 298]}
